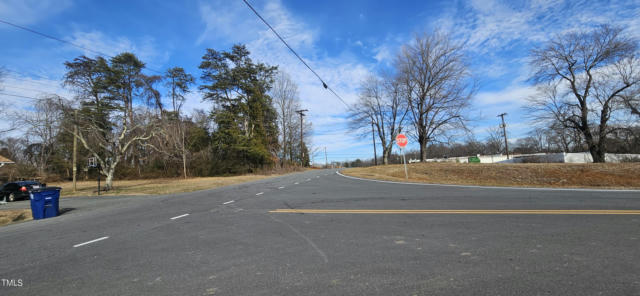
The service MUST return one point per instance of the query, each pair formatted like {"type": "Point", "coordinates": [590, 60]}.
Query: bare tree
{"type": "Point", "coordinates": [437, 85]}
{"type": "Point", "coordinates": [632, 101]}
{"type": "Point", "coordinates": [540, 139]}
{"type": "Point", "coordinates": [295, 150]}
{"type": "Point", "coordinates": [109, 145]}
{"type": "Point", "coordinates": [42, 126]}
{"type": "Point", "coordinates": [494, 141]}
{"type": "Point", "coordinates": [177, 83]}
{"type": "Point", "coordinates": [582, 77]}
{"type": "Point", "coordinates": [381, 105]}
{"type": "Point", "coordinates": [286, 99]}
{"type": "Point", "coordinates": [565, 139]}
{"type": "Point", "coordinates": [3, 105]}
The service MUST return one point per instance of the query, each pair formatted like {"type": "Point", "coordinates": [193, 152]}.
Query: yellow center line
{"type": "Point", "coordinates": [516, 212]}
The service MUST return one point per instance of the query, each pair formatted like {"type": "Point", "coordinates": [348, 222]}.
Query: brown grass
{"type": "Point", "coordinates": [153, 186]}
{"type": "Point", "coordinates": [12, 216]}
{"type": "Point", "coordinates": [592, 175]}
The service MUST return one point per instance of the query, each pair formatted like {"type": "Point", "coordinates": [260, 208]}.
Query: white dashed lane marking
{"type": "Point", "coordinates": [91, 241]}
{"type": "Point", "coordinates": [260, 193]}
{"type": "Point", "coordinates": [228, 202]}
{"type": "Point", "coordinates": [178, 217]}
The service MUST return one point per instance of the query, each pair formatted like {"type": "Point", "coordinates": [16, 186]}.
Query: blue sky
{"type": "Point", "coordinates": [344, 41]}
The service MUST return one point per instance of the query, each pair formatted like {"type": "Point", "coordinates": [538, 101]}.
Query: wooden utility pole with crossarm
{"type": "Point", "coordinates": [504, 132]}
{"type": "Point", "coordinates": [301, 112]}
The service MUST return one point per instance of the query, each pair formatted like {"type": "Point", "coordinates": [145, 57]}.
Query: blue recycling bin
{"type": "Point", "coordinates": [45, 202]}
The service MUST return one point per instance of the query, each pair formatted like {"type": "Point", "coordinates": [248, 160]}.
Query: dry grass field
{"type": "Point", "coordinates": [12, 216]}
{"type": "Point", "coordinates": [559, 175]}
{"type": "Point", "coordinates": [154, 186]}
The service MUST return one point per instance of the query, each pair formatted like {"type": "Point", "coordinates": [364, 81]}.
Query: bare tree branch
{"type": "Point", "coordinates": [584, 80]}
{"type": "Point", "coordinates": [437, 84]}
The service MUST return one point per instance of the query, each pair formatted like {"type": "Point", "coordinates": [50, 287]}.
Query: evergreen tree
{"type": "Point", "coordinates": [246, 132]}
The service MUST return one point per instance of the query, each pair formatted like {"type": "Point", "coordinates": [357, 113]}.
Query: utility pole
{"type": "Point", "coordinates": [75, 149]}
{"type": "Point", "coordinates": [375, 155]}
{"type": "Point", "coordinates": [326, 164]}
{"type": "Point", "coordinates": [504, 132]}
{"type": "Point", "coordinates": [301, 112]}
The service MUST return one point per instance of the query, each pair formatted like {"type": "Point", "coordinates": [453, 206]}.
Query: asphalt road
{"type": "Point", "coordinates": [303, 234]}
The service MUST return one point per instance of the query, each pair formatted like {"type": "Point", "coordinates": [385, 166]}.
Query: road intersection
{"type": "Point", "coordinates": [319, 233]}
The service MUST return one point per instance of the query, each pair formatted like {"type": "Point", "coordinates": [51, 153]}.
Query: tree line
{"type": "Point", "coordinates": [588, 87]}
{"type": "Point", "coordinates": [134, 124]}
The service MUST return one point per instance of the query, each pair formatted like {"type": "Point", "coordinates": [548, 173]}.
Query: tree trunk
{"type": "Point", "coordinates": [386, 152]}
{"type": "Point", "coordinates": [41, 164]}
{"type": "Point", "coordinates": [109, 180]}
{"type": "Point", "coordinates": [423, 147]}
{"type": "Point", "coordinates": [184, 163]}
{"type": "Point", "coordinates": [597, 154]}
{"type": "Point", "coordinates": [597, 151]}
{"type": "Point", "coordinates": [595, 148]}
{"type": "Point", "coordinates": [184, 149]}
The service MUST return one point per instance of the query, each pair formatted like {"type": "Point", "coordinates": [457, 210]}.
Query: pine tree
{"type": "Point", "coordinates": [247, 133]}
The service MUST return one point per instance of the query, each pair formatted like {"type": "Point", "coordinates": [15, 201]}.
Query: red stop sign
{"type": "Point", "coordinates": [401, 140]}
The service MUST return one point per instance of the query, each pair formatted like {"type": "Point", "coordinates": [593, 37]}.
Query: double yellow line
{"type": "Point", "coordinates": [471, 212]}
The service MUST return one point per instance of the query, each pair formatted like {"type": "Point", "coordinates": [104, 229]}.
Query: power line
{"type": "Point", "coordinates": [26, 74]}
{"type": "Point", "coordinates": [64, 41]}
{"type": "Point", "coordinates": [324, 84]}
{"type": "Point", "coordinates": [25, 77]}
{"type": "Point", "coordinates": [25, 88]}
{"type": "Point", "coordinates": [18, 96]}
{"type": "Point", "coordinates": [40, 82]}
{"type": "Point", "coordinates": [53, 38]}
{"type": "Point", "coordinates": [336, 133]}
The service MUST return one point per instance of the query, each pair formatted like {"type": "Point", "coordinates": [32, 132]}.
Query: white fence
{"type": "Point", "coordinates": [581, 157]}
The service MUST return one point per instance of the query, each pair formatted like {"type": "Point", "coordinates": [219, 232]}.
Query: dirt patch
{"type": "Point", "coordinates": [557, 175]}
{"type": "Point", "coordinates": [13, 216]}
{"type": "Point", "coordinates": [154, 186]}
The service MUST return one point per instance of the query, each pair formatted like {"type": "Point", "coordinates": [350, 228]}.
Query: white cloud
{"type": "Point", "coordinates": [384, 54]}
{"type": "Point", "coordinates": [511, 100]}
{"type": "Point", "coordinates": [193, 101]}
{"type": "Point", "coordinates": [221, 22]}
{"type": "Point", "coordinates": [32, 87]}
{"type": "Point", "coordinates": [234, 21]}
{"type": "Point", "coordinates": [19, 92]}
{"type": "Point", "coordinates": [144, 48]}
{"type": "Point", "coordinates": [27, 12]}
{"type": "Point", "coordinates": [512, 95]}
{"type": "Point", "coordinates": [489, 26]}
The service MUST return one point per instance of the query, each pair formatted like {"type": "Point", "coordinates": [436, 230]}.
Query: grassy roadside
{"type": "Point", "coordinates": [137, 187]}
{"type": "Point", "coordinates": [13, 216]}
{"type": "Point", "coordinates": [154, 186]}
{"type": "Point", "coordinates": [556, 175]}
